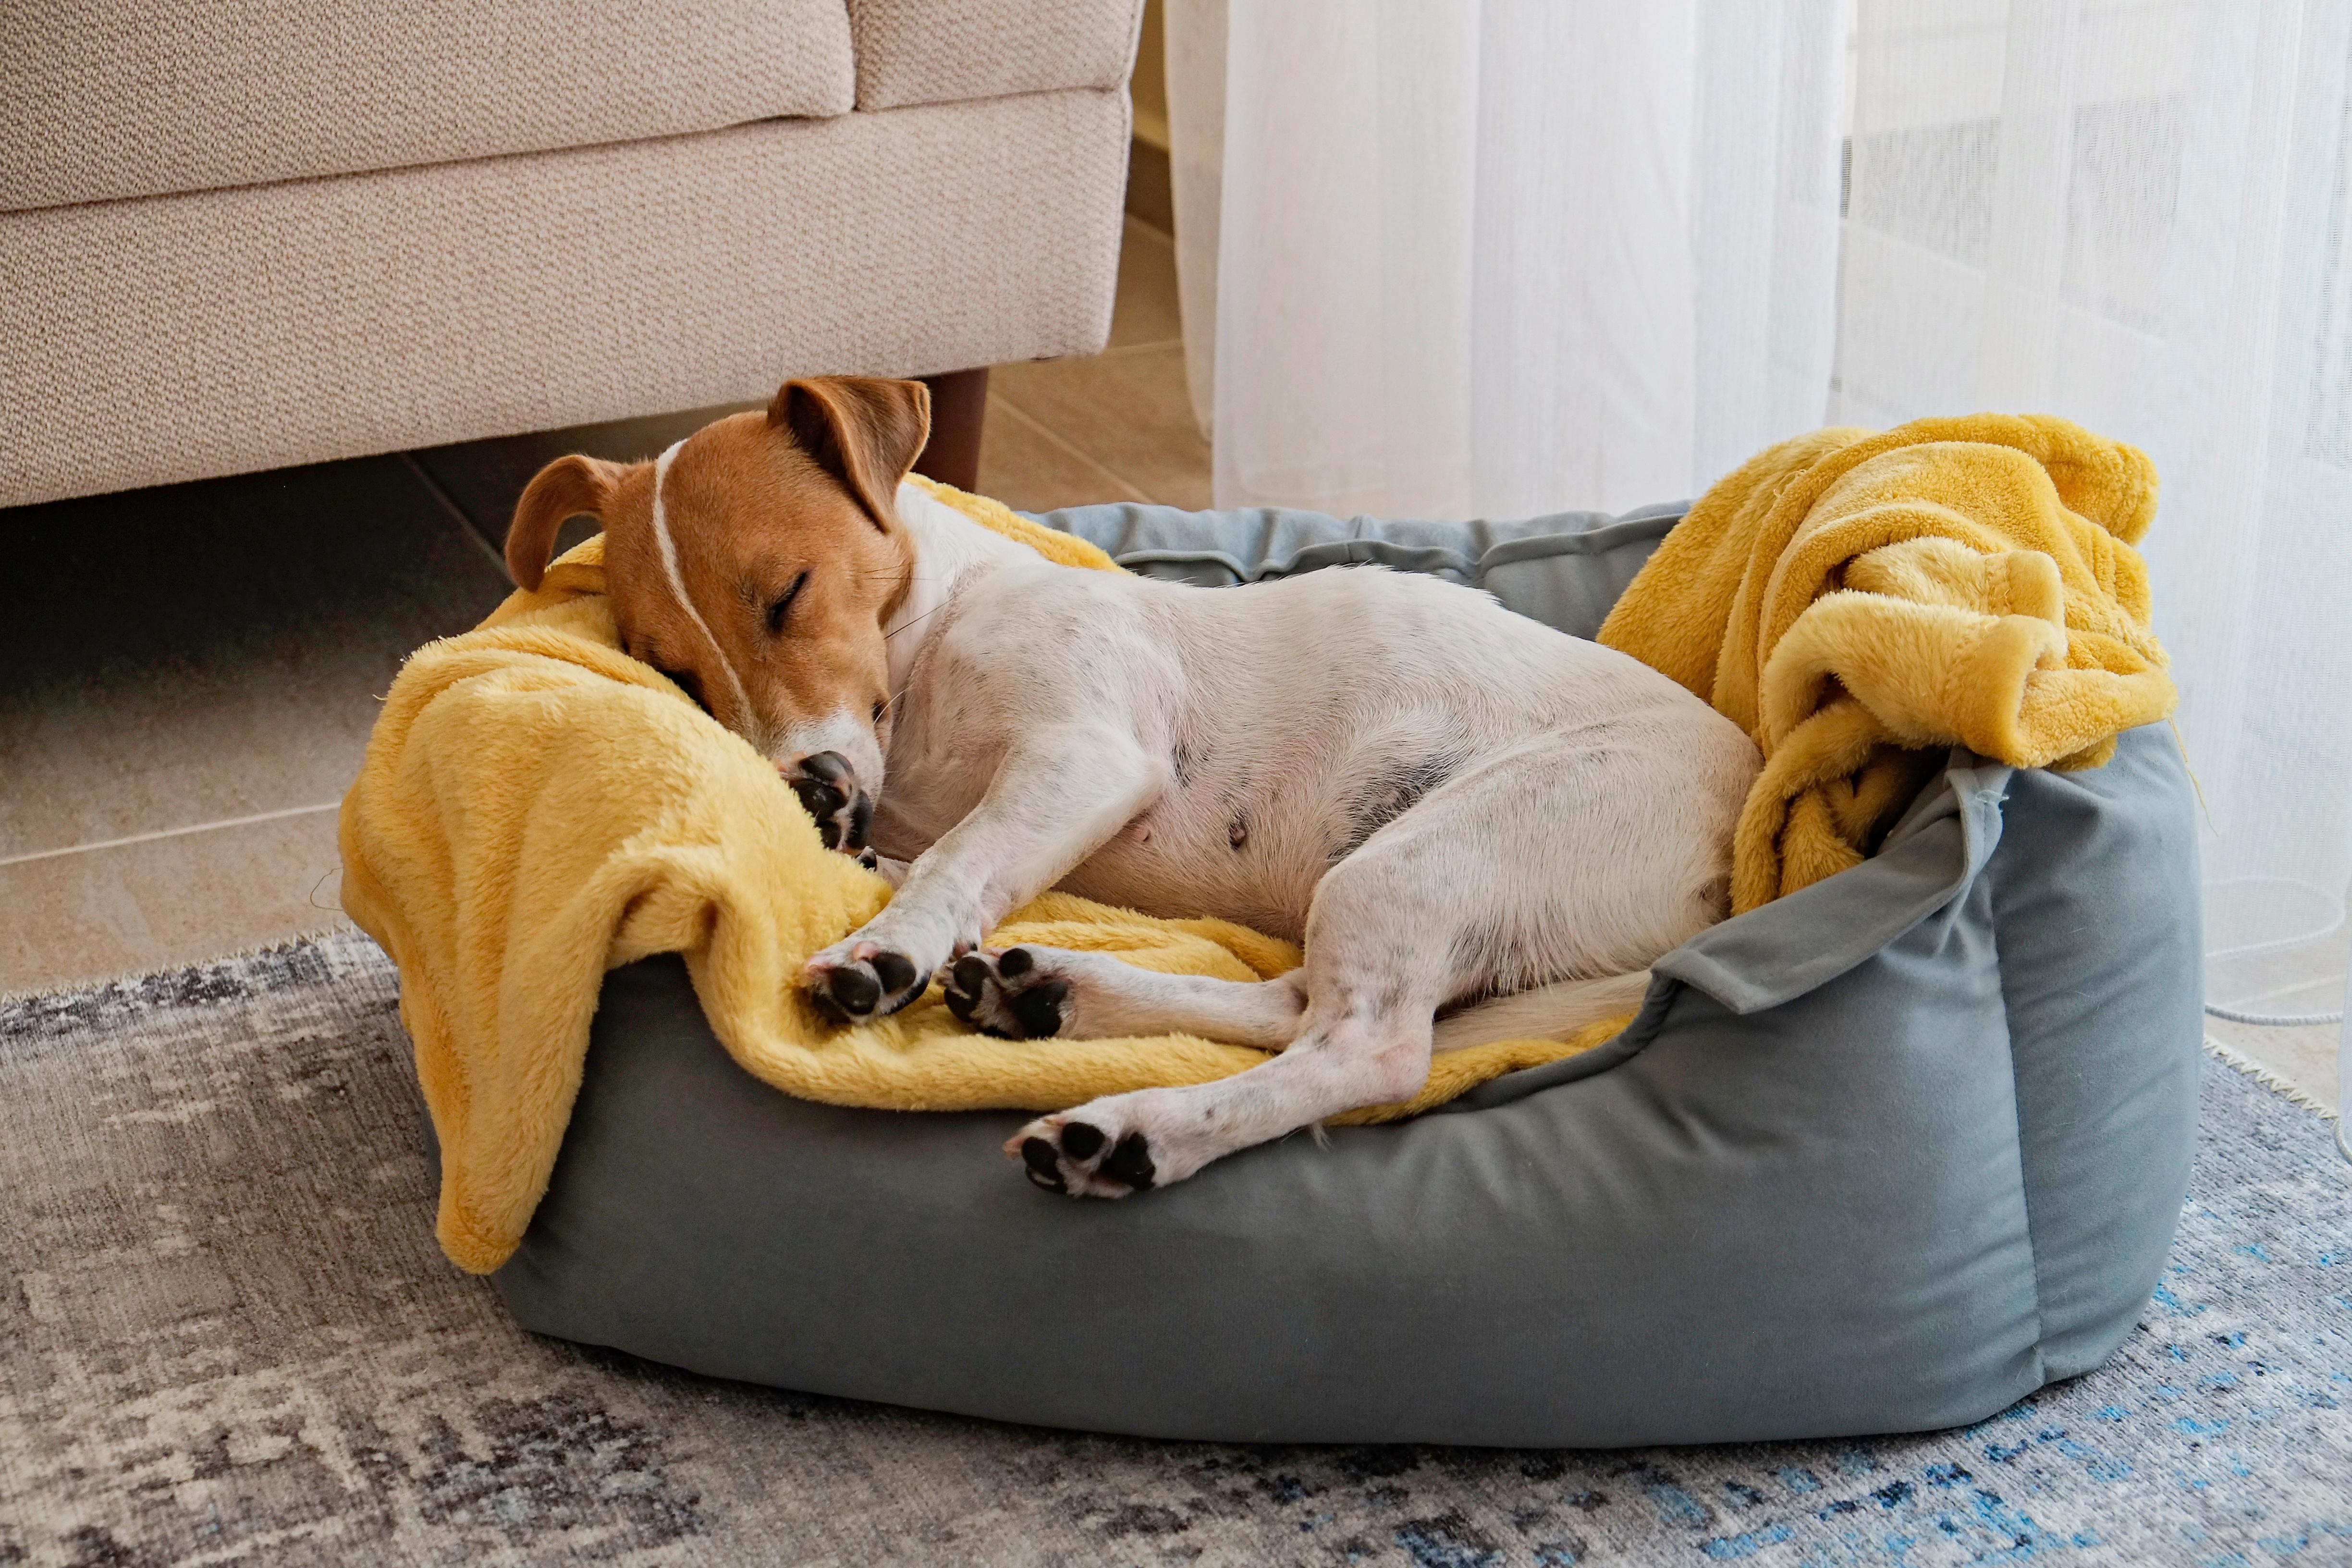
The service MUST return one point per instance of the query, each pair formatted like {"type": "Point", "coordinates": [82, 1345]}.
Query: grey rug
{"type": "Point", "coordinates": [225, 1336]}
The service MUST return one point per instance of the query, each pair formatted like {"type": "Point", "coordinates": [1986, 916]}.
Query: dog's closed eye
{"type": "Point", "coordinates": [783, 606]}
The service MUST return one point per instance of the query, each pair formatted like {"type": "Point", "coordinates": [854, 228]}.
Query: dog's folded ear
{"type": "Point", "coordinates": [866, 431]}
{"type": "Point", "coordinates": [565, 488]}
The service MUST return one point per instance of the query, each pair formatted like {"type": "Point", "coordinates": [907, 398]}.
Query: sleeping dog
{"type": "Point", "coordinates": [1479, 827]}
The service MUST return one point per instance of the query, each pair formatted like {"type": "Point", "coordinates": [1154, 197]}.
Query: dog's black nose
{"type": "Point", "coordinates": [831, 767]}
{"type": "Point", "coordinates": [821, 798]}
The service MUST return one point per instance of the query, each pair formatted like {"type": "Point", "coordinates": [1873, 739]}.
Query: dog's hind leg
{"type": "Point", "coordinates": [1029, 993]}
{"type": "Point", "coordinates": [1379, 961]}
{"type": "Point", "coordinates": [1452, 901]}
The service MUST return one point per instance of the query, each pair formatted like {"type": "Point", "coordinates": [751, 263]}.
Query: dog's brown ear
{"type": "Point", "coordinates": [866, 430]}
{"type": "Point", "coordinates": [564, 489]}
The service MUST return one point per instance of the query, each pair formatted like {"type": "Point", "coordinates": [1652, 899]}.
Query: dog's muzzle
{"type": "Point", "coordinates": [828, 788]}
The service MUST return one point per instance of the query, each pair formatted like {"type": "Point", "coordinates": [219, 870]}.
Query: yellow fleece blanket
{"type": "Point", "coordinates": [535, 807]}
{"type": "Point", "coordinates": [1859, 601]}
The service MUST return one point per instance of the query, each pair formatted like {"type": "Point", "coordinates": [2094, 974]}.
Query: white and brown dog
{"type": "Point", "coordinates": [1481, 828]}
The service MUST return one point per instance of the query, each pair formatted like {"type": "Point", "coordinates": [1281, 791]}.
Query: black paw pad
{"type": "Point", "coordinates": [852, 992]}
{"type": "Point", "coordinates": [895, 970]}
{"type": "Point", "coordinates": [1039, 1009]}
{"type": "Point", "coordinates": [1015, 963]}
{"type": "Point", "coordinates": [1130, 1161]}
{"type": "Point", "coordinates": [1043, 1168]}
{"type": "Point", "coordinates": [1081, 1139]}
{"type": "Point", "coordinates": [967, 981]}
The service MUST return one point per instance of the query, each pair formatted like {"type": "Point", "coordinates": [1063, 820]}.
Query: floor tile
{"type": "Point", "coordinates": [1146, 313]}
{"type": "Point", "coordinates": [1030, 468]}
{"type": "Point", "coordinates": [216, 650]}
{"type": "Point", "coordinates": [2302, 981]}
{"type": "Point", "coordinates": [1128, 410]}
{"type": "Point", "coordinates": [94, 914]}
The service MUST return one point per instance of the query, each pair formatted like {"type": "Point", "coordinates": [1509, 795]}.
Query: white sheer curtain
{"type": "Point", "coordinates": [2135, 215]}
{"type": "Point", "coordinates": [1444, 257]}
{"type": "Point", "coordinates": [1457, 258]}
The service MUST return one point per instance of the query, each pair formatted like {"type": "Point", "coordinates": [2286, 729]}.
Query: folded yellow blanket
{"type": "Point", "coordinates": [535, 807]}
{"type": "Point", "coordinates": [1860, 602]}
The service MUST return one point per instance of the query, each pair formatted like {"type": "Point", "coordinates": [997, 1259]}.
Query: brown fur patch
{"type": "Point", "coordinates": [750, 508]}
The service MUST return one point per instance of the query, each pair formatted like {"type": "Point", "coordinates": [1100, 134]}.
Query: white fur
{"type": "Point", "coordinates": [669, 548]}
{"type": "Point", "coordinates": [1447, 803]}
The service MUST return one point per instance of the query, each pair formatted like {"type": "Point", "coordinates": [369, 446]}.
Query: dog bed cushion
{"type": "Point", "coordinates": [1885, 1154]}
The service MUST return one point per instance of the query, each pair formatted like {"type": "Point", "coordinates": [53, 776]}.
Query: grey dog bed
{"type": "Point", "coordinates": [1887, 1154]}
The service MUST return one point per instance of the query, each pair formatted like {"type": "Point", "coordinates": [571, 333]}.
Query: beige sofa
{"type": "Point", "coordinates": [253, 232]}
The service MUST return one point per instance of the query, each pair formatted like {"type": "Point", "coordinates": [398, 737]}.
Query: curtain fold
{"type": "Point", "coordinates": [1461, 258]}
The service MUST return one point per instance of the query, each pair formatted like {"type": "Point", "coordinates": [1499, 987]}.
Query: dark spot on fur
{"type": "Point", "coordinates": [1382, 800]}
{"type": "Point", "coordinates": [1180, 761]}
{"type": "Point", "coordinates": [1472, 952]}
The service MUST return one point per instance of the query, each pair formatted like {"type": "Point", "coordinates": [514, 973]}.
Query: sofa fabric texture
{"type": "Point", "coordinates": [1885, 1154]}
{"type": "Point", "coordinates": [100, 99]}
{"type": "Point", "coordinates": [185, 336]}
{"type": "Point", "coordinates": [943, 51]}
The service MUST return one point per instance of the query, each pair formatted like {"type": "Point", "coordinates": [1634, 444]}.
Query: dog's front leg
{"type": "Point", "coordinates": [1058, 796]}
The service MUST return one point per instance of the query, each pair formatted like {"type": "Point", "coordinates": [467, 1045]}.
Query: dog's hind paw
{"type": "Point", "coordinates": [1068, 1153]}
{"type": "Point", "coordinates": [1009, 993]}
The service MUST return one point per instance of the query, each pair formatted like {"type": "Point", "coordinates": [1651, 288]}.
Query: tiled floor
{"type": "Point", "coordinates": [191, 671]}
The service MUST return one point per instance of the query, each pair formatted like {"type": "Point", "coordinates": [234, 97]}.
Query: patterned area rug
{"type": "Point", "coordinates": [225, 1336]}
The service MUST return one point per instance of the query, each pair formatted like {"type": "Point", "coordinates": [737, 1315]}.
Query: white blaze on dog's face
{"type": "Point", "coordinates": [755, 564]}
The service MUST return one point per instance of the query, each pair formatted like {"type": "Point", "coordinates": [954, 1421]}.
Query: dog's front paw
{"type": "Point", "coordinates": [829, 791]}
{"type": "Point", "coordinates": [1084, 1154]}
{"type": "Point", "coordinates": [1007, 994]}
{"type": "Point", "coordinates": [855, 981]}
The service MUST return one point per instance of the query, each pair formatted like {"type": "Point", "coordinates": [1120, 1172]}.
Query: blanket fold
{"type": "Point", "coordinates": [535, 807]}
{"type": "Point", "coordinates": [1861, 600]}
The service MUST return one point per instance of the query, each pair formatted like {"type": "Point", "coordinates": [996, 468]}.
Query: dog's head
{"type": "Point", "coordinates": [754, 564]}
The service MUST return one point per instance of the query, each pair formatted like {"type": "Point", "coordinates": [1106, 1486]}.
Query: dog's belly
{"type": "Point", "coordinates": [1205, 847]}
{"type": "Point", "coordinates": [1179, 859]}
{"type": "Point", "coordinates": [1295, 719]}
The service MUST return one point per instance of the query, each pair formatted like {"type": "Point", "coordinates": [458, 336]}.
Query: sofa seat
{"type": "Point", "coordinates": [105, 99]}
{"type": "Point", "coordinates": [252, 232]}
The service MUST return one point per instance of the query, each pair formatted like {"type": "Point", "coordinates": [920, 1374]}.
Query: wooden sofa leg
{"type": "Point", "coordinates": [959, 409]}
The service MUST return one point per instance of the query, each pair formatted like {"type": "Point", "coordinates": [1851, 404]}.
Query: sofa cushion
{"type": "Point", "coordinates": [108, 98]}
{"type": "Point", "coordinates": [939, 51]}
{"type": "Point", "coordinates": [298, 322]}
